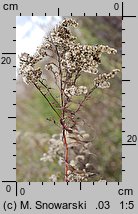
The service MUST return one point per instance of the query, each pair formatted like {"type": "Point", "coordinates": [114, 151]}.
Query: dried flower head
{"type": "Point", "coordinates": [102, 80]}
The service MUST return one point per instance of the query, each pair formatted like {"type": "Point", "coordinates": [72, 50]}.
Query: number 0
{"type": "Point", "coordinates": [8, 188]}
{"type": "Point", "coordinates": [22, 191]}
{"type": "Point", "coordinates": [116, 6]}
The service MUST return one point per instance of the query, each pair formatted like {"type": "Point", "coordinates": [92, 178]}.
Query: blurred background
{"type": "Point", "coordinates": [102, 112]}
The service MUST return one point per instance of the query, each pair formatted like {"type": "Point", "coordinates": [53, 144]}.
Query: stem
{"type": "Point", "coordinates": [86, 96]}
{"type": "Point", "coordinates": [46, 99]}
{"type": "Point", "coordinates": [49, 92]}
{"type": "Point", "coordinates": [63, 116]}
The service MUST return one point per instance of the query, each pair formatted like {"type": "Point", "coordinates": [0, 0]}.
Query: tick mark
{"type": "Point", "coordinates": [80, 185]}
{"type": "Point", "coordinates": [125, 80]}
{"type": "Point", "coordinates": [8, 53]}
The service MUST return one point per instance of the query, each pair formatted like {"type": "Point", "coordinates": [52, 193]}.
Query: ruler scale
{"type": "Point", "coordinates": [43, 197]}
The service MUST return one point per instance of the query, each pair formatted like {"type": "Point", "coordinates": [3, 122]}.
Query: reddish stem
{"type": "Point", "coordinates": [62, 87]}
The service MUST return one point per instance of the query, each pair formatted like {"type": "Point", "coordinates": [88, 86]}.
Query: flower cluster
{"type": "Point", "coordinates": [61, 35]}
{"type": "Point", "coordinates": [102, 80]}
{"type": "Point", "coordinates": [69, 22]}
{"type": "Point", "coordinates": [56, 149]}
{"type": "Point", "coordinates": [72, 58]}
{"type": "Point", "coordinates": [29, 73]}
{"type": "Point", "coordinates": [79, 176]}
{"type": "Point", "coordinates": [80, 167]}
{"type": "Point", "coordinates": [53, 178]}
{"type": "Point", "coordinates": [73, 90]}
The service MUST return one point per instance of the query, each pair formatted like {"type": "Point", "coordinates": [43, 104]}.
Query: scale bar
{"type": "Point", "coordinates": [129, 144]}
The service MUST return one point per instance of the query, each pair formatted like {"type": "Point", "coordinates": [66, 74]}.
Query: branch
{"type": "Point", "coordinates": [49, 92]}
{"type": "Point", "coordinates": [85, 98]}
{"type": "Point", "coordinates": [39, 89]}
